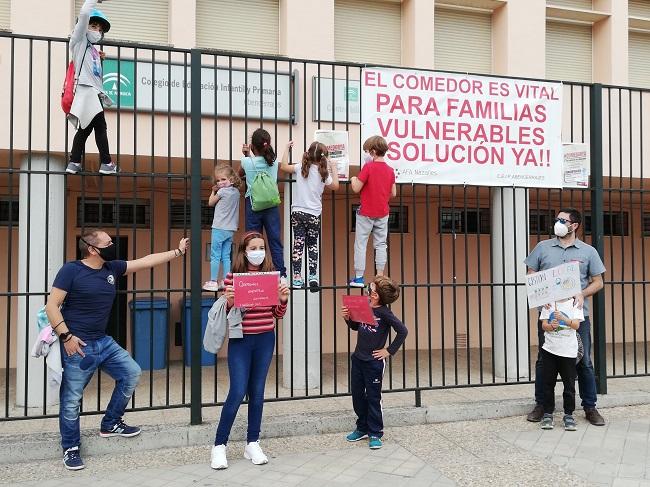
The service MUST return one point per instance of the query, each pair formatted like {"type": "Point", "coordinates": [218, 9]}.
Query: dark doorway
{"type": "Point", "coordinates": [117, 320]}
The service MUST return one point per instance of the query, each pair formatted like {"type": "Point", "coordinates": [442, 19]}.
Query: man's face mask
{"type": "Point", "coordinates": [94, 36]}
{"type": "Point", "coordinates": [561, 227]}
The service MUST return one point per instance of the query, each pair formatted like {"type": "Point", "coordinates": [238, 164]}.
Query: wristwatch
{"type": "Point", "coordinates": [64, 336]}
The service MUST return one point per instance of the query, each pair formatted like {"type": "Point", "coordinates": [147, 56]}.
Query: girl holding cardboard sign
{"type": "Point", "coordinates": [249, 357]}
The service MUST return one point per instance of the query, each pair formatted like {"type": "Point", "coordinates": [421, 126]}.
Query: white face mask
{"type": "Point", "coordinates": [94, 36]}
{"type": "Point", "coordinates": [255, 257]}
{"type": "Point", "coordinates": [367, 157]}
{"type": "Point", "coordinates": [560, 229]}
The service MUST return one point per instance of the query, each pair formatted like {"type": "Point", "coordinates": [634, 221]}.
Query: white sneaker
{"type": "Point", "coordinates": [218, 458]}
{"type": "Point", "coordinates": [254, 453]}
{"type": "Point", "coordinates": [211, 286]}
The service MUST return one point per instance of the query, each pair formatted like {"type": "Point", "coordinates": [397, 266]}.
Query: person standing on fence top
{"type": "Point", "coordinates": [78, 307]}
{"type": "Point", "coordinates": [87, 111]}
{"type": "Point", "coordinates": [566, 247]}
{"type": "Point", "coordinates": [376, 185]}
{"type": "Point", "coordinates": [259, 157]}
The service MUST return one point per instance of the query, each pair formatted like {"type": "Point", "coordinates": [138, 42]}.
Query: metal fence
{"type": "Point", "coordinates": [443, 240]}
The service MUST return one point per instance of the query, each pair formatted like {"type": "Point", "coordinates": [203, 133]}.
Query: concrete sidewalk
{"type": "Point", "coordinates": [34, 440]}
{"type": "Point", "coordinates": [506, 451]}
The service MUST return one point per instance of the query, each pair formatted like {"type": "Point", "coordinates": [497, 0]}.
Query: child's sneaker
{"type": "Point", "coordinates": [313, 284]}
{"type": "Point", "coordinates": [73, 168]}
{"type": "Point", "coordinates": [72, 459]}
{"type": "Point", "coordinates": [254, 453]}
{"type": "Point", "coordinates": [222, 285]}
{"type": "Point", "coordinates": [547, 421]}
{"type": "Point", "coordinates": [375, 443]}
{"type": "Point", "coordinates": [356, 435]}
{"type": "Point", "coordinates": [297, 281]}
{"type": "Point", "coordinates": [569, 423]}
{"type": "Point", "coordinates": [108, 169]}
{"type": "Point", "coordinates": [211, 286]}
{"type": "Point", "coordinates": [218, 459]}
{"type": "Point", "coordinates": [357, 282]}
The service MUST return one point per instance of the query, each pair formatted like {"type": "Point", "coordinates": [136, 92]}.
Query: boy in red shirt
{"type": "Point", "coordinates": [376, 185]}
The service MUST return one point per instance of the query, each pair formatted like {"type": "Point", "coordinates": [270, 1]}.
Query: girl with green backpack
{"type": "Point", "coordinates": [262, 198]}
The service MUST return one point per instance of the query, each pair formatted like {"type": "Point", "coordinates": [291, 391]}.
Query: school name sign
{"type": "Point", "coordinates": [458, 129]}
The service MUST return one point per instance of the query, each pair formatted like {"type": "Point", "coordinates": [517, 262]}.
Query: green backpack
{"type": "Point", "coordinates": [264, 192]}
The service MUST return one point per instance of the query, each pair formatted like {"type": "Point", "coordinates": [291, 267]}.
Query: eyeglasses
{"type": "Point", "coordinates": [563, 221]}
{"type": "Point", "coordinates": [370, 288]}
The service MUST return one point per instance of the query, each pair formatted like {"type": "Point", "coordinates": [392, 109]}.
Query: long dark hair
{"type": "Point", "coordinates": [317, 154]}
{"type": "Point", "coordinates": [240, 262]}
{"type": "Point", "coordinates": [261, 142]}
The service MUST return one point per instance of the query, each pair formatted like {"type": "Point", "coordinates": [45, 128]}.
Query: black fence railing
{"type": "Point", "coordinates": [167, 132]}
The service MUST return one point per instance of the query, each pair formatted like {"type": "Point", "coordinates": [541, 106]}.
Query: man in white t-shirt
{"type": "Point", "coordinates": [558, 354]}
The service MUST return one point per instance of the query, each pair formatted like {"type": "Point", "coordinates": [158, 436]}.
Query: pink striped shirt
{"type": "Point", "coordinates": [261, 318]}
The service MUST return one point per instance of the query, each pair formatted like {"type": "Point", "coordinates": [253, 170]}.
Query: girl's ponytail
{"type": "Point", "coordinates": [261, 142]}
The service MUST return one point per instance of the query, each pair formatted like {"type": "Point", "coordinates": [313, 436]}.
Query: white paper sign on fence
{"type": "Point", "coordinates": [338, 146]}
{"type": "Point", "coordinates": [447, 128]}
{"type": "Point", "coordinates": [553, 284]}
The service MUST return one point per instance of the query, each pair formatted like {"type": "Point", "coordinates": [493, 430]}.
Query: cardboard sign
{"type": "Point", "coordinates": [555, 284]}
{"type": "Point", "coordinates": [360, 309]}
{"type": "Point", "coordinates": [256, 289]}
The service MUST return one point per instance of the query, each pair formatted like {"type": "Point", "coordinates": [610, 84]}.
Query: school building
{"type": "Point", "coordinates": [293, 66]}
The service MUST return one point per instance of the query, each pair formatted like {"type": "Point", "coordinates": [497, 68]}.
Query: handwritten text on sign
{"type": "Point", "coordinates": [456, 129]}
{"type": "Point", "coordinates": [555, 284]}
{"type": "Point", "coordinates": [256, 289]}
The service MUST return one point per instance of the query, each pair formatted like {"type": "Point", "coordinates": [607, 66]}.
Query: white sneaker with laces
{"type": "Point", "coordinates": [211, 285]}
{"type": "Point", "coordinates": [254, 453]}
{"type": "Point", "coordinates": [218, 458]}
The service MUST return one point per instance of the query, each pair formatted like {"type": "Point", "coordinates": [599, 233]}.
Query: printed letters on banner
{"type": "Point", "coordinates": [458, 129]}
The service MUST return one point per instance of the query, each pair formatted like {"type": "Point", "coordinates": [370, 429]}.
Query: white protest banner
{"type": "Point", "coordinates": [338, 146]}
{"type": "Point", "coordinates": [555, 284]}
{"type": "Point", "coordinates": [576, 166]}
{"type": "Point", "coordinates": [458, 129]}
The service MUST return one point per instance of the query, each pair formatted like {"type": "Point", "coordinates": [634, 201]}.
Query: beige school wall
{"type": "Point", "coordinates": [437, 308]}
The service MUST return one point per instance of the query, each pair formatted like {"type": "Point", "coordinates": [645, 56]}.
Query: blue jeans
{"type": "Point", "coordinates": [220, 249]}
{"type": "Point", "coordinates": [248, 363]}
{"type": "Point", "coordinates": [268, 219]}
{"type": "Point", "coordinates": [584, 368]}
{"type": "Point", "coordinates": [106, 354]}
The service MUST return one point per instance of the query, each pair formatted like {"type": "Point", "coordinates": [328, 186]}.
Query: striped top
{"type": "Point", "coordinates": [261, 318]}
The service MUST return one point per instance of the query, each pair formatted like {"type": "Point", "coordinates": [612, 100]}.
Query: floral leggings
{"type": "Point", "coordinates": [306, 229]}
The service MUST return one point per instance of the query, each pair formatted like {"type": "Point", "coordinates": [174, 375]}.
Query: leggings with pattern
{"type": "Point", "coordinates": [306, 229]}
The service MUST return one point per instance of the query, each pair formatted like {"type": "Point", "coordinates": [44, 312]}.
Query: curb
{"type": "Point", "coordinates": [43, 446]}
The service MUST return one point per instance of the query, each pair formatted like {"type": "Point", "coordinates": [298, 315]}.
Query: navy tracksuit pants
{"type": "Point", "coordinates": [365, 382]}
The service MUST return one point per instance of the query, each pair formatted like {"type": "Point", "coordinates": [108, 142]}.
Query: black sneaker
{"type": "Point", "coordinates": [72, 459]}
{"type": "Point", "coordinates": [120, 429]}
{"type": "Point", "coordinates": [536, 414]}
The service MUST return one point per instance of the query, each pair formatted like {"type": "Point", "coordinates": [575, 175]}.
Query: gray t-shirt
{"type": "Point", "coordinates": [226, 211]}
{"type": "Point", "coordinates": [549, 253]}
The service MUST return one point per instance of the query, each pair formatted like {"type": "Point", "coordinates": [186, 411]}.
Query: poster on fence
{"type": "Point", "coordinates": [447, 128]}
{"type": "Point", "coordinates": [338, 146]}
{"type": "Point", "coordinates": [555, 284]}
{"type": "Point", "coordinates": [576, 166]}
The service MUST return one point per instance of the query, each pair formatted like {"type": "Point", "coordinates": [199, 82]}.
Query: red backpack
{"type": "Point", "coordinates": [70, 85]}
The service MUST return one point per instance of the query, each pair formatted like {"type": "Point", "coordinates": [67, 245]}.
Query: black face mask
{"type": "Point", "coordinates": [107, 253]}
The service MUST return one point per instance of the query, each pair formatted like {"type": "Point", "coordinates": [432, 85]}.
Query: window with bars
{"type": "Point", "coordinates": [645, 221]}
{"type": "Point", "coordinates": [615, 223]}
{"type": "Point", "coordinates": [108, 213]}
{"type": "Point", "coordinates": [398, 219]}
{"type": "Point", "coordinates": [8, 212]}
{"type": "Point", "coordinates": [464, 220]}
{"type": "Point", "coordinates": [540, 222]}
{"type": "Point", "coordinates": [180, 214]}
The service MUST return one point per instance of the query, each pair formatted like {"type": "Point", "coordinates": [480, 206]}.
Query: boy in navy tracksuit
{"type": "Point", "coordinates": [368, 359]}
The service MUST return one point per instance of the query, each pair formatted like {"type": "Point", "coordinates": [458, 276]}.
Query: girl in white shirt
{"type": "Point", "coordinates": [313, 175]}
